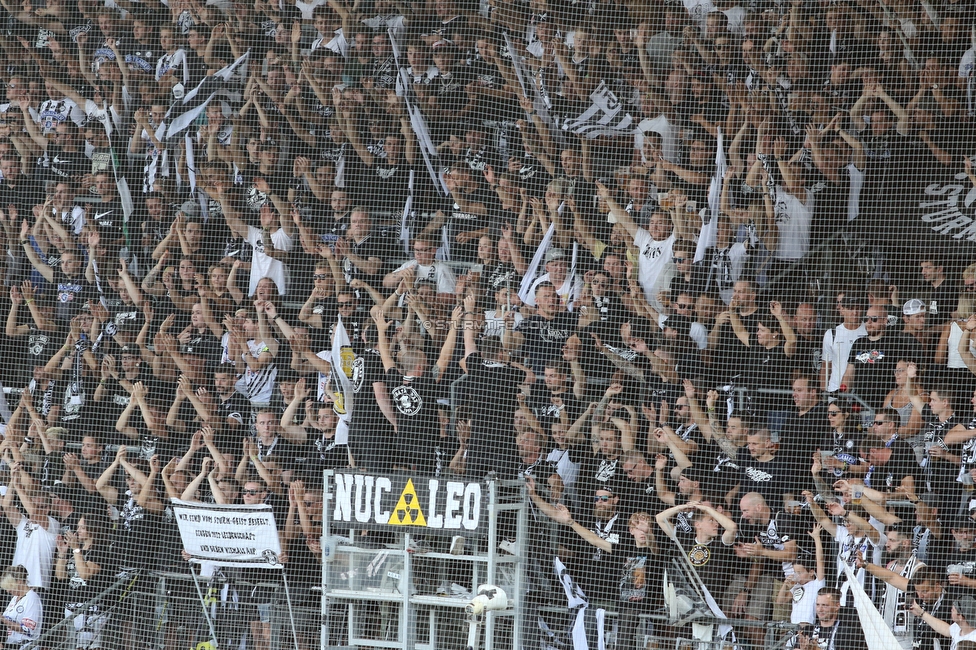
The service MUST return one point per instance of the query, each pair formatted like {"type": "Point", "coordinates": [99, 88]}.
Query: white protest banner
{"type": "Point", "coordinates": [233, 535]}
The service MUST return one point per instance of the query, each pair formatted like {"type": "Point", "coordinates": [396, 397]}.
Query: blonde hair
{"type": "Point", "coordinates": [966, 306]}
{"type": "Point", "coordinates": [638, 518]}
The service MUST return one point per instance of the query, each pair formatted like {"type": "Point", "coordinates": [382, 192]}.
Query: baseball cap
{"type": "Point", "coordinates": [129, 349]}
{"type": "Point", "coordinates": [192, 349]}
{"type": "Point", "coordinates": [913, 306]}
{"type": "Point", "coordinates": [555, 254]}
{"type": "Point", "coordinates": [962, 522]}
{"type": "Point", "coordinates": [694, 474]}
{"type": "Point", "coordinates": [190, 208]}
{"type": "Point", "coordinates": [966, 606]}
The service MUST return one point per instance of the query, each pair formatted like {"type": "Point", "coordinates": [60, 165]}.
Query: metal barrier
{"type": "Point", "coordinates": [401, 587]}
{"type": "Point", "coordinates": [177, 619]}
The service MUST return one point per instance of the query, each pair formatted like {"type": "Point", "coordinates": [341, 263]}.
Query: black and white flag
{"type": "Point", "coordinates": [605, 116]}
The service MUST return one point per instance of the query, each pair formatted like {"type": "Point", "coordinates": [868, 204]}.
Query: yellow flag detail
{"type": "Point", "coordinates": [407, 511]}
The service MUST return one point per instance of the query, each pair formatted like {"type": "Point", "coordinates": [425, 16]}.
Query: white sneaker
{"type": "Point", "coordinates": [508, 546]}
{"type": "Point", "coordinates": [418, 546]}
{"type": "Point", "coordinates": [457, 545]}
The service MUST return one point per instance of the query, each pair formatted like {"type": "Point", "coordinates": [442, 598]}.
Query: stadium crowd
{"type": "Point", "coordinates": [702, 263]}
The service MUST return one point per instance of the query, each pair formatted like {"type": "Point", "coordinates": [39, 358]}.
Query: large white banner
{"type": "Point", "coordinates": [237, 535]}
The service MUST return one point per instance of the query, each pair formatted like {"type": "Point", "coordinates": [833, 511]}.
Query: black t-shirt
{"type": "Point", "coordinates": [59, 165]}
{"type": "Point", "coordinates": [371, 436]}
{"type": "Point", "coordinates": [418, 426]}
{"type": "Point", "coordinates": [108, 219]}
{"type": "Point", "coordinates": [901, 463]}
{"type": "Point", "coordinates": [730, 347]}
{"type": "Point", "coordinates": [639, 497]}
{"type": "Point", "coordinates": [770, 479]}
{"type": "Point", "coordinates": [124, 317]}
{"type": "Point", "coordinates": [723, 470]}
{"type": "Point", "coordinates": [713, 562]}
{"type": "Point", "coordinates": [544, 339]}
{"type": "Point", "coordinates": [77, 590]}
{"type": "Point", "coordinates": [548, 406]}
{"type": "Point", "coordinates": [596, 570]}
{"type": "Point", "coordinates": [72, 294]}
{"type": "Point", "coordinates": [282, 452]}
{"type": "Point", "coordinates": [800, 433]}
{"type": "Point", "coordinates": [492, 390]}
{"type": "Point", "coordinates": [845, 634]}
{"type": "Point", "coordinates": [33, 349]}
{"type": "Point", "coordinates": [137, 527]}
{"type": "Point", "coordinates": [639, 580]}
{"type": "Point", "coordinates": [389, 186]}
{"type": "Point", "coordinates": [372, 246]}
{"type": "Point", "coordinates": [768, 367]}
{"type": "Point", "coordinates": [807, 355]}
{"type": "Point", "coordinates": [598, 472]}
{"type": "Point", "coordinates": [459, 220]}
{"type": "Point", "coordinates": [940, 302]}
{"type": "Point", "coordinates": [774, 535]}
{"type": "Point", "coordinates": [874, 364]}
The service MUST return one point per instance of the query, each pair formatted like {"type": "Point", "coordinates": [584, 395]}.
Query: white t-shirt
{"type": "Point", "coordinates": [35, 550]}
{"type": "Point", "coordinates": [495, 323]}
{"type": "Point", "coordinates": [265, 266]}
{"type": "Point", "coordinates": [257, 385]}
{"type": "Point", "coordinates": [567, 470]}
{"type": "Point", "coordinates": [805, 602]}
{"type": "Point", "coordinates": [75, 219]}
{"type": "Point", "coordinates": [966, 64]}
{"type": "Point", "coordinates": [837, 346]}
{"type": "Point", "coordinates": [793, 218]}
{"type": "Point", "coordinates": [28, 612]}
{"type": "Point", "coordinates": [439, 273]}
{"type": "Point", "coordinates": [654, 255]}
{"type": "Point", "coordinates": [848, 546]}
{"type": "Point", "coordinates": [955, 633]}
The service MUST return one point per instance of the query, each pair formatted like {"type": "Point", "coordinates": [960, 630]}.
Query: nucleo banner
{"type": "Point", "coordinates": [407, 503]}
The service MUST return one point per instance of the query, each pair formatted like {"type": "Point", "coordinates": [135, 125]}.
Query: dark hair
{"type": "Point", "coordinates": [890, 414]}
{"type": "Point", "coordinates": [829, 591]}
{"type": "Point", "coordinates": [927, 574]}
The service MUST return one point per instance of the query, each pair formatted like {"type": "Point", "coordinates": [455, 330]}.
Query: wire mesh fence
{"type": "Point", "coordinates": [509, 323]}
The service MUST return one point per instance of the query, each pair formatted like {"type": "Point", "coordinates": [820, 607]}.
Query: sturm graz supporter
{"type": "Point", "coordinates": [413, 392]}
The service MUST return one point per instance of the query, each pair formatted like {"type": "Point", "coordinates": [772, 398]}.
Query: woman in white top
{"type": "Point", "coordinates": [23, 615]}
{"type": "Point", "coordinates": [956, 347]}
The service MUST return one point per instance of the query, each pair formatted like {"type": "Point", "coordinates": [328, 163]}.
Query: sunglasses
{"type": "Point", "coordinates": [252, 492]}
{"type": "Point", "coordinates": [875, 319]}
{"type": "Point", "coordinates": [679, 260]}
{"type": "Point", "coordinates": [683, 306]}
{"type": "Point", "coordinates": [831, 414]}
{"type": "Point", "coordinates": [604, 498]}
{"type": "Point", "coordinates": [320, 276]}
{"type": "Point", "coordinates": [970, 287]}
{"type": "Point", "coordinates": [878, 423]}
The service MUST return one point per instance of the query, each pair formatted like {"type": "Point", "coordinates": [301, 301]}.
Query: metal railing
{"type": "Point", "coordinates": [167, 598]}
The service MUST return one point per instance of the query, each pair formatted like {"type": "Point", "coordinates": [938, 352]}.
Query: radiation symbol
{"type": "Point", "coordinates": [347, 360]}
{"type": "Point", "coordinates": [407, 511]}
{"type": "Point", "coordinates": [339, 403]}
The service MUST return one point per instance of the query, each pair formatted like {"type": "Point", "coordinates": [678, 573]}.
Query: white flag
{"type": "Point", "coordinates": [710, 217]}
{"type": "Point", "coordinates": [533, 270]}
{"type": "Point", "coordinates": [343, 359]}
{"type": "Point", "coordinates": [877, 634]}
